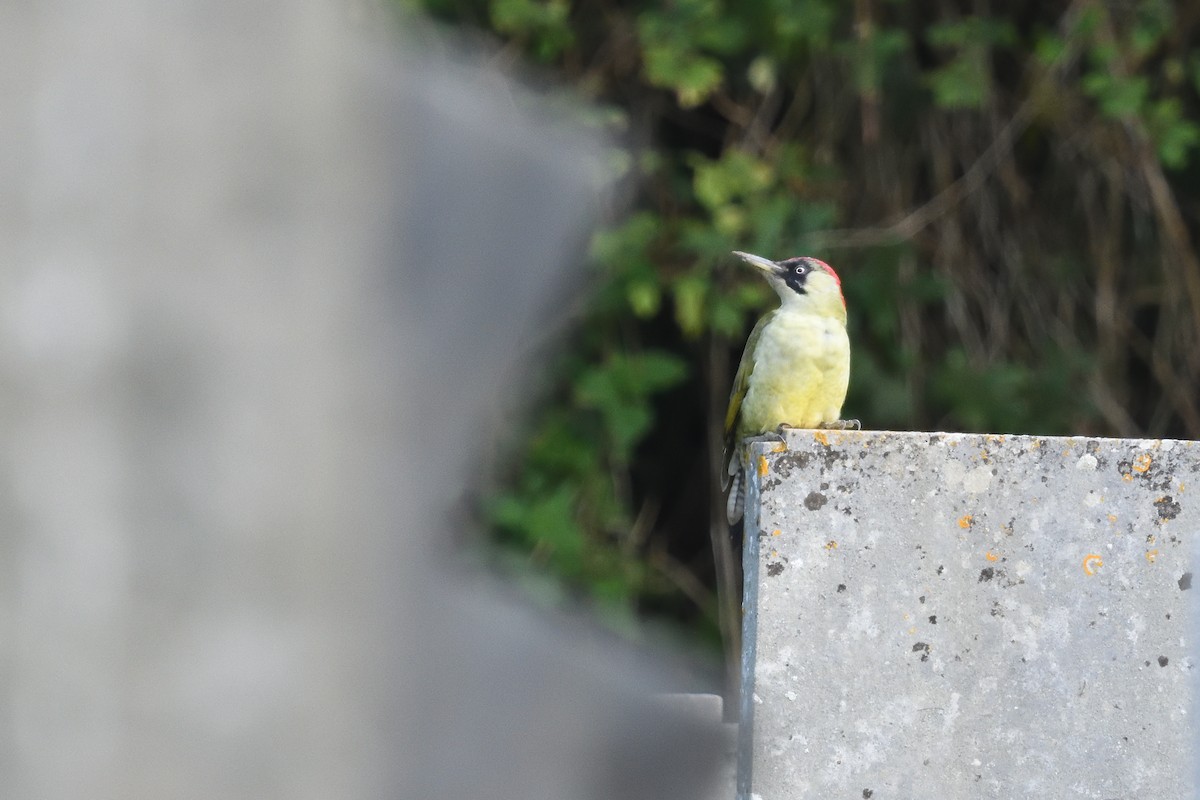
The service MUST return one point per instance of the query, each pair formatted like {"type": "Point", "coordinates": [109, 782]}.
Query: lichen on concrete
{"type": "Point", "coordinates": [963, 616]}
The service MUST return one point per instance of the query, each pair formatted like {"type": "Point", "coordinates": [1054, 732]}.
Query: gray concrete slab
{"type": "Point", "coordinates": [963, 616]}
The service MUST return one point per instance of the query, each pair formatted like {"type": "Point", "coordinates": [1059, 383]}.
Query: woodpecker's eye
{"type": "Point", "coordinates": [800, 269]}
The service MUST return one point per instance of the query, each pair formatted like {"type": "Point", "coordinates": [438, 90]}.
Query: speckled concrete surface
{"type": "Point", "coordinates": [965, 616]}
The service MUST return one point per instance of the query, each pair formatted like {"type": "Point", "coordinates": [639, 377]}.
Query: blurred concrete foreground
{"type": "Point", "coordinates": [259, 279]}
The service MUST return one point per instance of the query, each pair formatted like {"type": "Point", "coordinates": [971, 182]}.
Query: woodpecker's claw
{"type": "Point", "coordinates": [842, 425]}
{"type": "Point", "coordinates": [774, 436]}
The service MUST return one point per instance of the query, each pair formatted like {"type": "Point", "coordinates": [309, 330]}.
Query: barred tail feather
{"type": "Point", "coordinates": [736, 504]}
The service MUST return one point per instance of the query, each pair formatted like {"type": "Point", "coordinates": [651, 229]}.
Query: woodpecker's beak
{"type": "Point", "coordinates": [765, 265]}
{"type": "Point", "coordinates": [758, 262]}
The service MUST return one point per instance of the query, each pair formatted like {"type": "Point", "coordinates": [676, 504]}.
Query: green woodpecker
{"type": "Point", "coordinates": [796, 365]}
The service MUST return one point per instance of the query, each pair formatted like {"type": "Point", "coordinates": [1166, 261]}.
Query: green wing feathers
{"type": "Point", "coordinates": [741, 381]}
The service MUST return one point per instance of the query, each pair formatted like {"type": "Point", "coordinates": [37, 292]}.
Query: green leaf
{"type": "Point", "coordinates": [680, 49]}
{"type": "Point", "coordinates": [545, 21]}
{"type": "Point", "coordinates": [645, 298]}
{"type": "Point", "coordinates": [547, 520]}
{"type": "Point", "coordinates": [1174, 136]}
{"type": "Point", "coordinates": [689, 294]}
{"type": "Point", "coordinates": [1153, 21]}
{"type": "Point", "coordinates": [1119, 97]}
{"type": "Point", "coordinates": [762, 74]}
{"type": "Point", "coordinates": [872, 57]}
{"type": "Point", "coordinates": [808, 23]}
{"type": "Point", "coordinates": [735, 176]}
{"type": "Point", "coordinates": [627, 424]}
{"type": "Point", "coordinates": [971, 32]}
{"type": "Point", "coordinates": [620, 389]}
{"type": "Point", "coordinates": [726, 317]}
{"type": "Point", "coordinates": [1049, 49]}
{"type": "Point", "coordinates": [965, 82]}
{"type": "Point", "coordinates": [627, 243]}
{"type": "Point", "coordinates": [656, 370]}
{"type": "Point", "coordinates": [692, 77]}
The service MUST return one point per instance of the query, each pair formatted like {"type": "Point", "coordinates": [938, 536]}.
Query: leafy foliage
{"type": "Point", "coordinates": [1007, 195]}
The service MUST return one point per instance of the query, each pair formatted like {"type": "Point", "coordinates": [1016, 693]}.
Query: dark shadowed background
{"type": "Point", "coordinates": [1008, 190]}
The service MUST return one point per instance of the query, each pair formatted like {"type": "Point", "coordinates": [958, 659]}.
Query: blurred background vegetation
{"type": "Point", "coordinates": [1008, 189]}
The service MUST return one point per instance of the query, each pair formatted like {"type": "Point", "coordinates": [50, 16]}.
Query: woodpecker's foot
{"type": "Point", "coordinates": [774, 436]}
{"type": "Point", "coordinates": [842, 425]}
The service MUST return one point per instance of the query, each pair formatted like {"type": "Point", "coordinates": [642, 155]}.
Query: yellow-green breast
{"type": "Point", "coordinates": [800, 373]}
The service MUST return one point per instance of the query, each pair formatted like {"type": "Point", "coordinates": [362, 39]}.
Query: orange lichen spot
{"type": "Point", "coordinates": [762, 466]}
{"type": "Point", "coordinates": [777, 532]}
{"type": "Point", "coordinates": [822, 438]}
{"type": "Point", "coordinates": [1112, 518]}
{"type": "Point", "coordinates": [1151, 555]}
{"type": "Point", "coordinates": [965, 521]}
{"type": "Point", "coordinates": [1091, 563]}
{"type": "Point", "coordinates": [990, 556]}
{"type": "Point", "coordinates": [780, 448]}
{"type": "Point", "coordinates": [1142, 463]}
{"type": "Point", "coordinates": [831, 545]}
{"type": "Point", "coordinates": [1182, 486]}
{"type": "Point", "coordinates": [1126, 476]}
